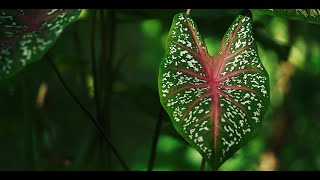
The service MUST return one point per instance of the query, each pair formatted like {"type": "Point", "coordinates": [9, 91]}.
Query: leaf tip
{"type": "Point", "coordinates": [246, 12]}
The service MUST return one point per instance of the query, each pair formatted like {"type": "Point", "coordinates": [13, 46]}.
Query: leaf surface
{"type": "Point", "coordinates": [308, 15]}
{"type": "Point", "coordinates": [26, 34]}
{"type": "Point", "coordinates": [215, 102]}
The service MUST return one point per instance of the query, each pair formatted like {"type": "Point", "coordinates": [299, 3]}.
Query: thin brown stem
{"type": "Point", "coordinates": [79, 48]}
{"type": "Point", "coordinates": [94, 66]}
{"type": "Point", "coordinates": [155, 140]}
{"type": "Point", "coordinates": [29, 123]}
{"type": "Point", "coordinates": [87, 113]}
{"type": "Point", "coordinates": [203, 164]}
{"type": "Point", "coordinates": [96, 79]}
{"type": "Point", "coordinates": [108, 49]}
{"type": "Point", "coordinates": [110, 78]}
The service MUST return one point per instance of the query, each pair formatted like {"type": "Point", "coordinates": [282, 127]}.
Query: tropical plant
{"type": "Point", "coordinates": [217, 102]}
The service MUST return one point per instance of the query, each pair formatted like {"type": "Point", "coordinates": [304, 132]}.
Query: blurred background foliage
{"type": "Point", "coordinates": [42, 128]}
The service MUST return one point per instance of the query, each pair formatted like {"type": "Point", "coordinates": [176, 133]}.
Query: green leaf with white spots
{"type": "Point", "coordinates": [217, 102]}
{"type": "Point", "coordinates": [26, 34]}
{"type": "Point", "coordinates": [308, 15]}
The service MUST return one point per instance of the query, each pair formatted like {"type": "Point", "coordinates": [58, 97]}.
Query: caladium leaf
{"type": "Point", "coordinates": [308, 15]}
{"type": "Point", "coordinates": [215, 102]}
{"type": "Point", "coordinates": [26, 34]}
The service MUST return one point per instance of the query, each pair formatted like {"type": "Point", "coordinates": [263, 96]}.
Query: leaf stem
{"type": "Point", "coordinates": [94, 66]}
{"type": "Point", "coordinates": [89, 115]}
{"type": "Point", "coordinates": [155, 140]}
{"type": "Point", "coordinates": [80, 50]}
{"type": "Point", "coordinates": [188, 11]}
{"type": "Point", "coordinates": [29, 123]}
{"type": "Point", "coordinates": [97, 88]}
{"type": "Point", "coordinates": [203, 164]}
{"type": "Point", "coordinates": [107, 56]}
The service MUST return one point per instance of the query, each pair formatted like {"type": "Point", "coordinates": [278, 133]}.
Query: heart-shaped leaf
{"type": "Point", "coordinates": [215, 102]}
{"type": "Point", "coordinates": [26, 34]}
{"type": "Point", "coordinates": [308, 15]}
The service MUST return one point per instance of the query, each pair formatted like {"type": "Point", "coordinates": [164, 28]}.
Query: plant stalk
{"type": "Point", "coordinates": [107, 55]}
{"type": "Point", "coordinates": [87, 113]}
{"type": "Point", "coordinates": [94, 67]}
{"type": "Point", "coordinates": [29, 123]}
{"type": "Point", "coordinates": [155, 140]}
{"type": "Point", "coordinates": [203, 164]}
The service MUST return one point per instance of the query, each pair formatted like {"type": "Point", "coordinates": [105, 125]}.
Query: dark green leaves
{"type": "Point", "coordinates": [26, 34]}
{"type": "Point", "coordinates": [215, 102]}
{"type": "Point", "coordinates": [308, 15]}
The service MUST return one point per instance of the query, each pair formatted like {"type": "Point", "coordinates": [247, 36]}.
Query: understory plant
{"type": "Point", "coordinates": [216, 102]}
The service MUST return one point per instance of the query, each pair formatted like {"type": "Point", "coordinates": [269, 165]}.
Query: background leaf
{"type": "Point", "coordinates": [26, 34]}
{"type": "Point", "coordinates": [215, 102]}
{"type": "Point", "coordinates": [308, 15]}
{"type": "Point", "coordinates": [64, 139]}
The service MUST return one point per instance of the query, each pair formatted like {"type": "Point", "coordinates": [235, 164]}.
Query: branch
{"type": "Point", "coordinates": [94, 67]}
{"type": "Point", "coordinates": [107, 45]}
{"type": "Point", "coordinates": [155, 140]}
{"type": "Point", "coordinates": [203, 164]}
{"type": "Point", "coordinates": [89, 115]}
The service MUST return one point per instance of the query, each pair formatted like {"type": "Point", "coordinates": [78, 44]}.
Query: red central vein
{"type": "Point", "coordinates": [194, 103]}
{"type": "Point", "coordinates": [190, 73]}
{"type": "Point", "coordinates": [213, 81]}
{"type": "Point", "coordinates": [235, 73]}
{"type": "Point", "coordinates": [186, 87]}
{"type": "Point", "coordinates": [215, 119]}
{"type": "Point", "coordinates": [227, 50]}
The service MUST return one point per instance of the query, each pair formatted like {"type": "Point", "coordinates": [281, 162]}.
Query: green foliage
{"type": "Point", "coordinates": [215, 102]}
{"type": "Point", "coordinates": [51, 133]}
{"type": "Point", "coordinates": [26, 34]}
{"type": "Point", "coordinates": [308, 15]}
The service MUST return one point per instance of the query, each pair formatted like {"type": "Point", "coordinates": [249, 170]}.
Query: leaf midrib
{"type": "Point", "coordinates": [214, 79]}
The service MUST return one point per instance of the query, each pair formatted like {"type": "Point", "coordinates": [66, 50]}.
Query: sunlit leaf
{"type": "Point", "coordinates": [26, 34]}
{"type": "Point", "coordinates": [308, 15]}
{"type": "Point", "coordinates": [215, 102]}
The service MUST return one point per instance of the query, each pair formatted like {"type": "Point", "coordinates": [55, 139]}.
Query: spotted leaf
{"type": "Point", "coordinates": [26, 34]}
{"type": "Point", "coordinates": [308, 15]}
{"type": "Point", "coordinates": [215, 102]}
